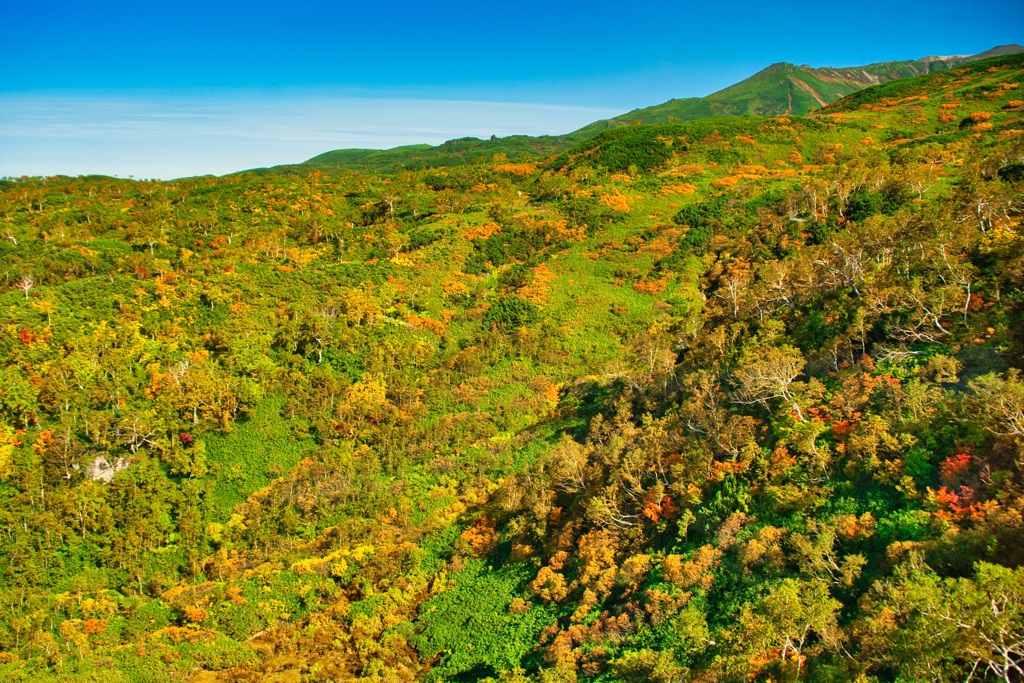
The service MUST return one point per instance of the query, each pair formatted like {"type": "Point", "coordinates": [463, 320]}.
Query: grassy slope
{"type": "Point", "coordinates": [926, 85]}
{"type": "Point", "coordinates": [618, 255]}
{"type": "Point", "coordinates": [414, 157]}
{"type": "Point", "coordinates": [779, 89]}
{"type": "Point", "coordinates": [785, 89]}
{"type": "Point", "coordinates": [596, 326]}
{"type": "Point", "coordinates": [253, 454]}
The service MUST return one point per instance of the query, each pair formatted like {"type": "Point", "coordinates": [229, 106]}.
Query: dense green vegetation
{"type": "Point", "coordinates": [459, 152]}
{"type": "Point", "coordinates": [781, 89]}
{"type": "Point", "coordinates": [724, 400]}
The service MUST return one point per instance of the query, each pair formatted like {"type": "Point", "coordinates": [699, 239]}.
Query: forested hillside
{"type": "Point", "coordinates": [725, 400]}
{"type": "Point", "coordinates": [780, 90]}
{"type": "Point", "coordinates": [783, 89]}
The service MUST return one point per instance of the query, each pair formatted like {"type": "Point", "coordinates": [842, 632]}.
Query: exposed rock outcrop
{"type": "Point", "coordinates": [103, 471]}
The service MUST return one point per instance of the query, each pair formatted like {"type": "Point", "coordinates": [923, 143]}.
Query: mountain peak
{"type": "Point", "coordinates": [776, 67]}
{"type": "Point", "coordinates": [997, 51]}
{"type": "Point", "coordinates": [787, 88]}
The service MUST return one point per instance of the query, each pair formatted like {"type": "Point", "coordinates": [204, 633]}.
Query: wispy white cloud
{"type": "Point", "coordinates": [164, 136]}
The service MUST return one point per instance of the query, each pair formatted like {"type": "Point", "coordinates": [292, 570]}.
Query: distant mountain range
{"type": "Point", "coordinates": [779, 89]}
{"type": "Point", "coordinates": [785, 88]}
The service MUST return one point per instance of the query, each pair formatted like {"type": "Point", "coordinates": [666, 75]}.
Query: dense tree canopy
{"type": "Point", "coordinates": [728, 400]}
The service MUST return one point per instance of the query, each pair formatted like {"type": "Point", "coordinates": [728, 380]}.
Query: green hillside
{"type": "Point", "coordinates": [785, 88]}
{"type": "Point", "coordinates": [779, 89]}
{"type": "Point", "coordinates": [731, 400]}
{"type": "Point", "coordinates": [415, 157]}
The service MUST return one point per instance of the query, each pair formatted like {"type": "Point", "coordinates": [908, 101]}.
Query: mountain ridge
{"type": "Point", "coordinates": [760, 94]}
{"type": "Point", "coordinates": [781, 88]}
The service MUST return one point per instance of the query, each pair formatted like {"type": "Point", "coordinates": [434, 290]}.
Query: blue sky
{"type": "Point", "coordinates": [172, 135]}
{"type": "Point", "coordinates": [189, 87]}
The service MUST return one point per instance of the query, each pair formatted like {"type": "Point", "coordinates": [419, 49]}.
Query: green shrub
{"type": "Point", "coordinates": [510, 313]}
